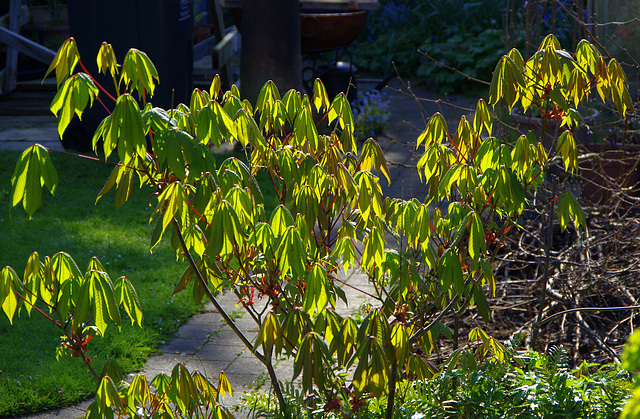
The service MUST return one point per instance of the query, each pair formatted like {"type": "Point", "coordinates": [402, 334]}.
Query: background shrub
{"type": "Point", "coordinates": [468, 36]}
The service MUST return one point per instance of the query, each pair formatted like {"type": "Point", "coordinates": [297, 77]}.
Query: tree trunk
{"type": "Point", "coordinates": [270, 46]}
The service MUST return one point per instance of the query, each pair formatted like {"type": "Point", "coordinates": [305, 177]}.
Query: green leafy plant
{"type": "Point", "coordinates": [32, 379]}
{"type": "Point", "coordinates": [473, 55]}
{"type": "Point", "coordinates": [528, 384]}
{"type": "Point", "coordinates": [183, 394]}
{"type": "Point", "coordinates": [331, 216]}
{"type": "Point", "coordinates": [631, 362]}
{"type": "Point", "coordinates": [68, 295]}
{"type": "Point", "coordinates": [556, 83]}
{"type": "Point", "coordinates": [469, 36]}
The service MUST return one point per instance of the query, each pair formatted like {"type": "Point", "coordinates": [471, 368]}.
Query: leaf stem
{"type": "Point", "coordinates": [265, 359]}
{"type": "Point", "coordinates": [36, 308]}
{"type": "Point", "coordinates": [392, 385]}
{"type": "Point", "coordinates": [98, 85]}
{"type": "Point", "coordinates": [210, 295]}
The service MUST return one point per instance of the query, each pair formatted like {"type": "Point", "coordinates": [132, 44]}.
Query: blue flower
{"type": "Point", "coordinates": [371, 113]}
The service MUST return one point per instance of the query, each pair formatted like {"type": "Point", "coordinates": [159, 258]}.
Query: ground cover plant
{"type": "Point", "coordinates": [530, 385]}
{"type": "Point", "coordinates": [31, 378]}
{"type": "Point", "coordinates": [426, 264]}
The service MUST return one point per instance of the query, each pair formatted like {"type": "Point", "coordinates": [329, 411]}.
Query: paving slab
{"type": "Point", "coordinates": [18, 133]}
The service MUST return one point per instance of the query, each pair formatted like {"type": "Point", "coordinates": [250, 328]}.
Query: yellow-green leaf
{"type": "Point", "coordinates": [139, 72]}
{"type": "Point", "coordinates": [107, 62]}
{"type": "Point", "coordinates": [316, 294]}
{"type": "Point", "coordinates": [450, 272]}
{"type": "Point", "coordinates": [477, 245]}
{"type": "Point", "coordinates": [33, 170]}
{"type": "Point", "coordinates": [569, 209]}
{"type": "Point", "coordinates": [224, 386]}
{"type": "Point", "coordinates": [270, 334]}
{"type": "Point", "coordinates": [435, 132]}
{"type": "Point", "coordinates": [215, 89]}
{"type": "Point", "coordinates": [8, 299]}
{"type": "Point", "coordinates": [372, 157]}
{"type": "Point", "coordinates": [72, 98]}
{"type": "Point", "coordinates": [127, 296]}
{"type": "Point", "coordinates": [482, 118]}
{"type": "Point", "coordinates": [65, 61]}
{"type": "Point", "coordinates": [320, 98]}
{"type": "Point", "coordinates": [290, 253]}
{"type": "Point", "coordinates": [566, 146]}
{"type": "Point", "coordinates": [107, 396]}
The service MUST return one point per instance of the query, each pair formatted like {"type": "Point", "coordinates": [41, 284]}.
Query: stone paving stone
{"type": "Point", "coordinates": [219, 353]}
{"type": "Point", "coordinates": [247, 362]}
{"type": "Point", "coordinates": [28, 134]}
{"type": "Point", "coordinates": [73, 412]}
{"type": "Point", "coordinates": [206, 319]}
{"type": "Point", "coordinates": [19, 133]}
{"type": "Point", "coordinates": [244, 381]}
{"type": "Point", "coordinates": [210, 369]}
{"type": "Point", "coordinates": [183, 346]}
{"type": "Point", "coordinates": [227, 337]}
{"type": "Point", "coordinates": [30, 122]}
{"type": "Point", "coordinates": [284, 369]}
{"type": "Point", "coordinates": [198, 331]}
{"type": "Point", "coordinates": [163, 363]}
{"type": "Point", "coordinates": [23, 145]}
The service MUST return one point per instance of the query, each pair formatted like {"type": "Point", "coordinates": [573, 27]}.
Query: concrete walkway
{"type": "Point", "coordinates": [206, 343]}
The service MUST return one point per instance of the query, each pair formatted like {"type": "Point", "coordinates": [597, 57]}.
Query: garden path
{"type": "Point", "coordinates": [206, 343]}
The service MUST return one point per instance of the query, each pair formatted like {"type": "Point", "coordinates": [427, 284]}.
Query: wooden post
{"type": "Point", "coordinates": [270, 47]}
{"type": "Point", "coordinates": [11, 69]}
{"type": "Point", "coordinates": [219, 33]}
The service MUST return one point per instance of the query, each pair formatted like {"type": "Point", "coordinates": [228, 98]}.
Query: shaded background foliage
{"type": "Point", "coordinates": [467, 36]}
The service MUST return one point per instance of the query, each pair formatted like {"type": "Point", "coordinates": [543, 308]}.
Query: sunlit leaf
{"type": "Point", "coordinates": [215, 89]}
{"type": "Point", "coordinates": [477, 245]}
{"type": "Point", "coordinates": [320, 98]}
{"type": "Point", "coordinates": [33, 171]}
{"type": "Point", "coordinates": [65, 61]}
{"type": "Point", "coordinates": [566, 147]}
{"type": "Point", "coordinates": [8, 299]}
{"type": "Point", "coordinates": [482, 118]}
{"type": "Point", "coordinates": [372, 157]}
{"type": "Point", "coordinates": [127, 296]}
{"type": "Point", "coordinates": [450, 272]}
{"type": "Point", "coordinates": [290, 253]}
{"type": "Point", "coordinates": [107, 396]}
{"type": "Point", "coordinates": [72, 98]}
{"type": "Point", "coordinates": [139, 72]}
{"type": "Point", "coordinates": [316, 293]}
{"type": "Point", "coordinates": [570, 209]}
{"type": "Point", "coordinates": [270, 334]}
{"type": "Point", "coordinates": [107, 62]}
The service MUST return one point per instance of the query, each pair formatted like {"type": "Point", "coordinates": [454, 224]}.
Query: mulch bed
{"type": "Point", "coordinates": [598, 272]}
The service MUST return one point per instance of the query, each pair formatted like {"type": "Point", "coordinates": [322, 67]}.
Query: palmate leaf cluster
{"type": "Point", "coordinates": [552, 76]}
{"type": "Point", "coordinates": [68, 294]}
{"type": "Point", "coordinates": [426, 258]}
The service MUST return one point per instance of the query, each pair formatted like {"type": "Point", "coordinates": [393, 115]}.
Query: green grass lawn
{"type": "Point", "coordinates": [30, 377]}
